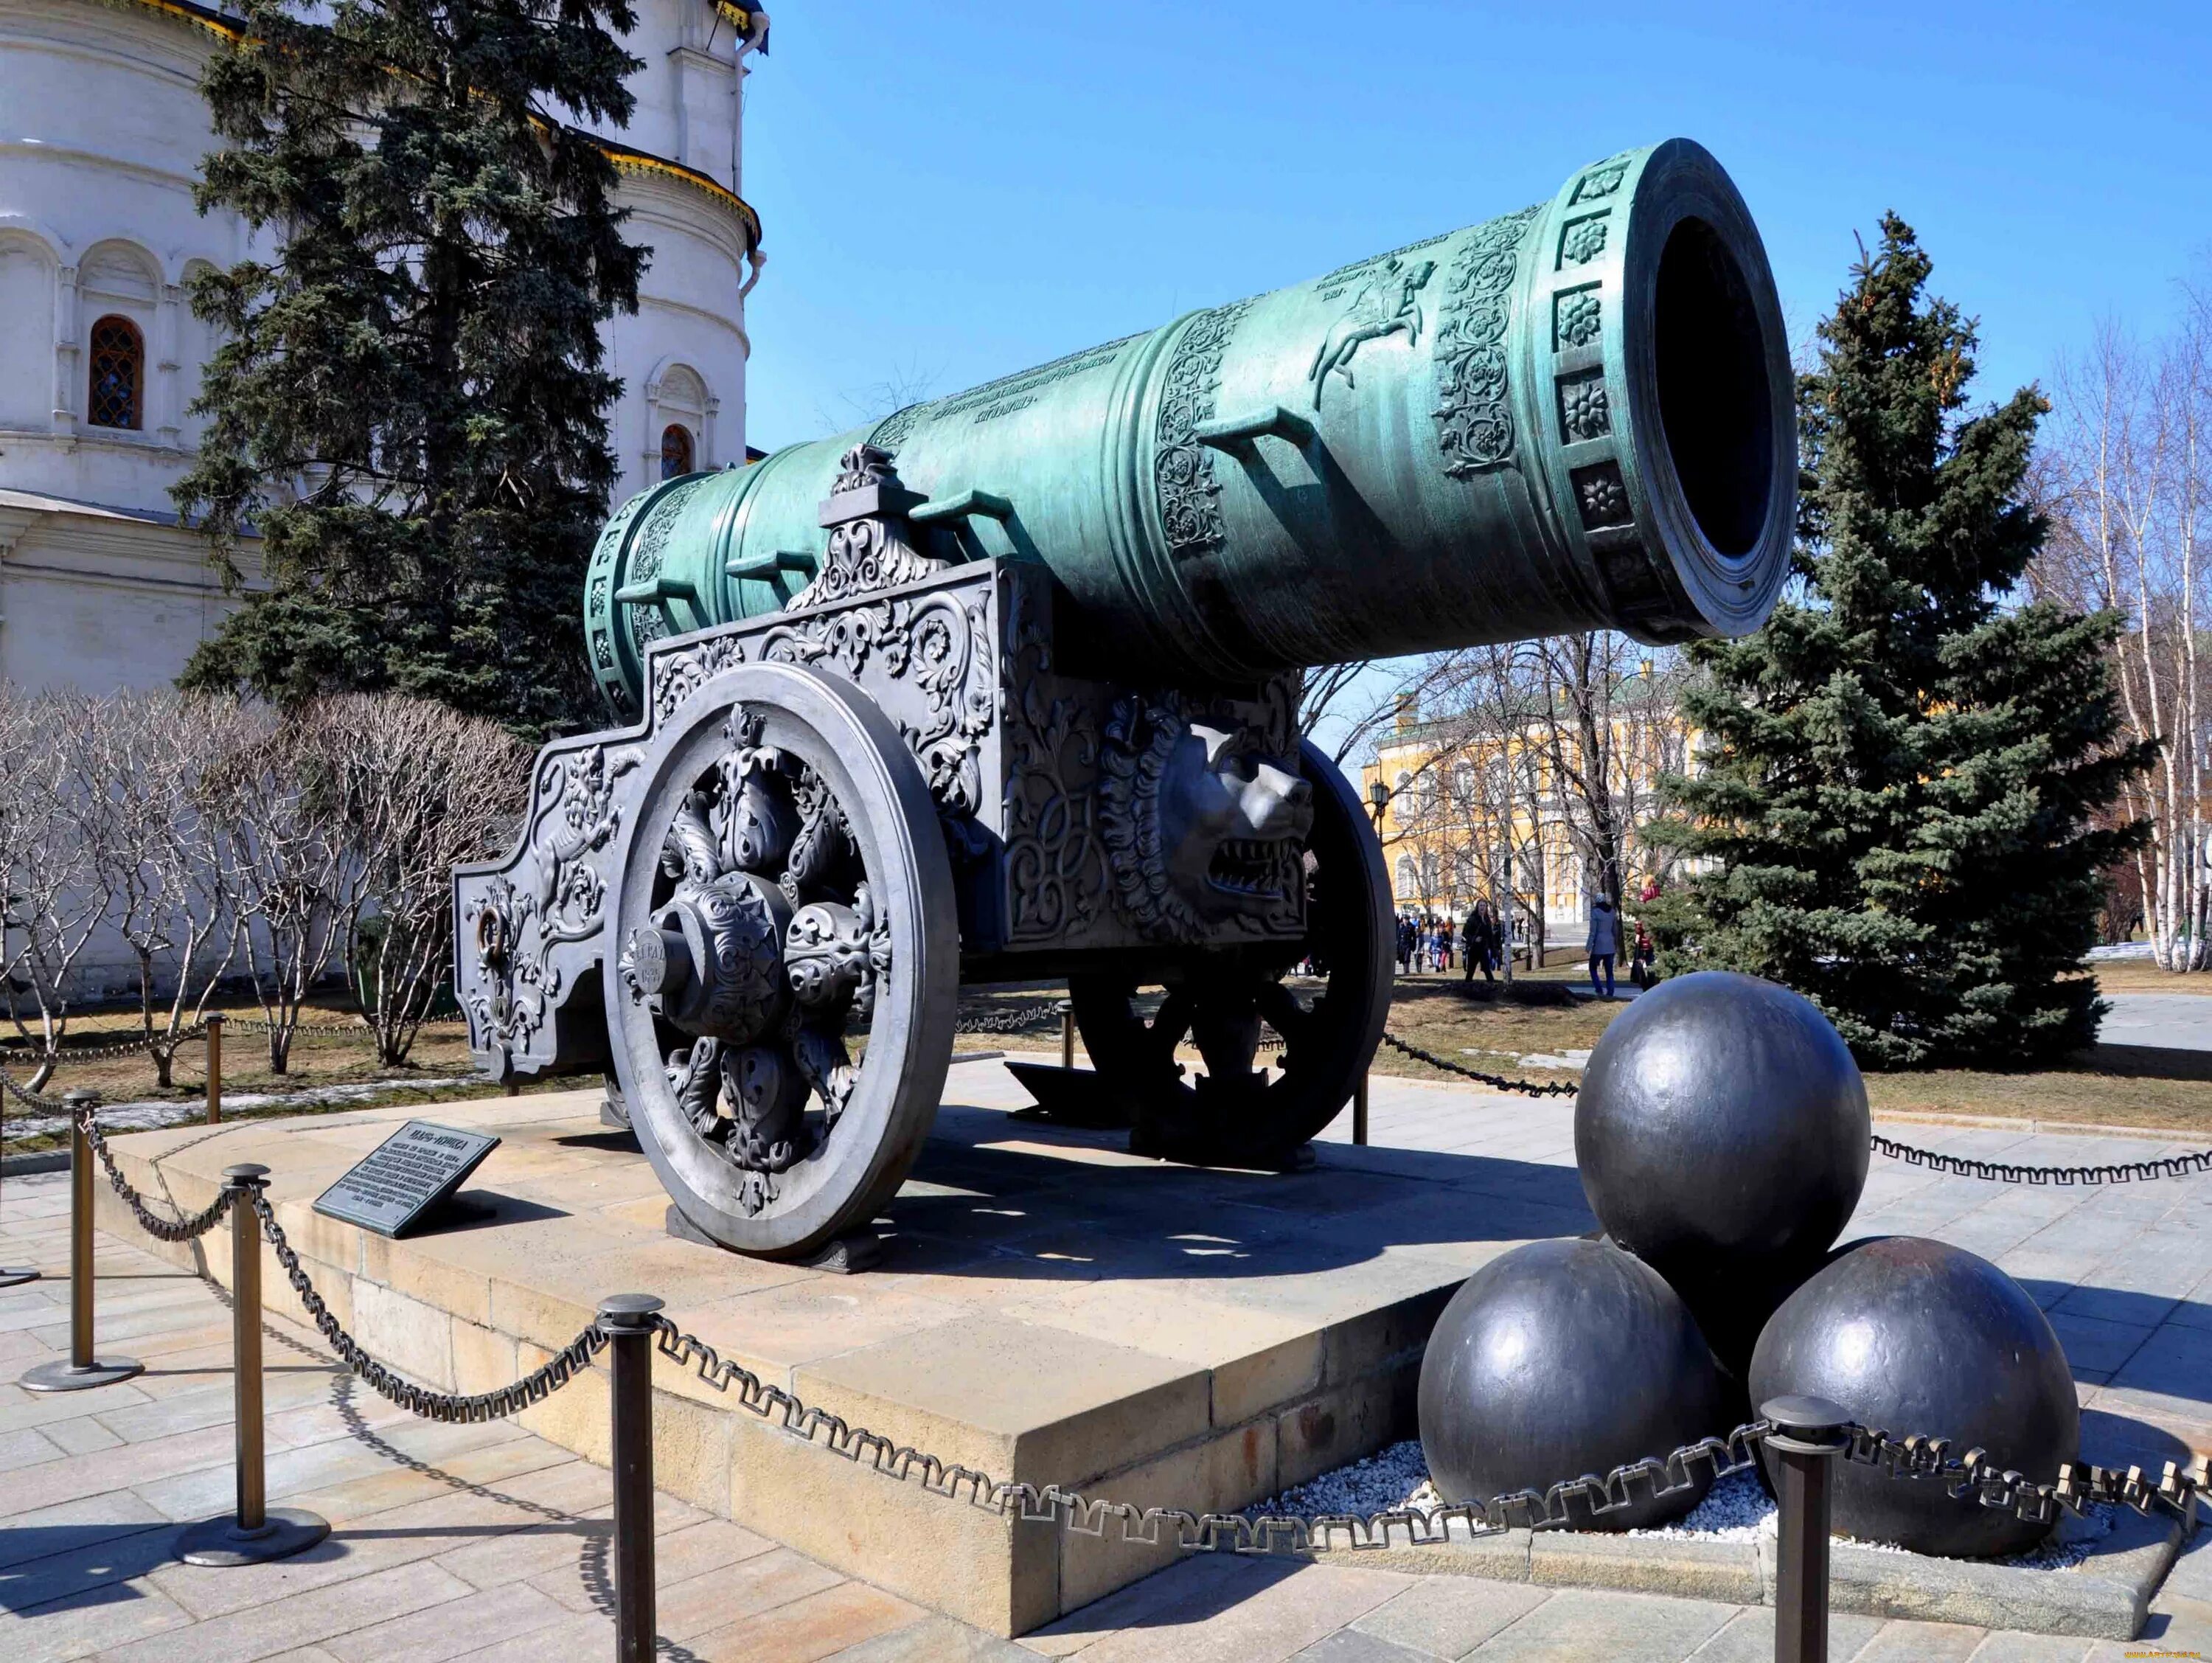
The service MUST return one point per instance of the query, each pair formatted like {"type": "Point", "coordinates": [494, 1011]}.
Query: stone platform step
{"type": "Point", "coordinates": [1048, 1308]}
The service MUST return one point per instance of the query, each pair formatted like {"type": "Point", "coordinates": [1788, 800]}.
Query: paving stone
{"type": "Point", "coordinates": [1355, 1646]}
{"type": "Point", "coordinates": [816, 1626]}
{"type": "Point", "coordinates": [1449, 1617]}
{"type": "Point", "coordinates": [1275, 1620]}
{"type": "Point", "coordinates": [1621, 1628]}
{"type": "Point", "coordinates": [1749, 1637]}
{"type": "Point", "coordinates": [448, 1630]}
{"type": "Point", "coordinates": [28, 1447]}
{"type": "Point", "coordinates": [1188, 1591]}
{"type": "Point", "coordinates": [2007, 1647]}
{"type": "Point", "coordinates": [306, 1619]}
{"type": "Point", "coordinates": [934, 1639]}
{"type": "Point", "coordinates": [80, 1630]}
{"type": "Point", "coordinates": [1919, 1643]}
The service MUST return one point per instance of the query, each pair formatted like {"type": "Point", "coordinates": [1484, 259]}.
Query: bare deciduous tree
{"type": "Point", "coordinates": [2131, 489]}
{"type": "Point", "coordinates": [421, 788]}
{"type": "Point", "coordinates": [140, 760]}
{"type": "Point", "coordinates": [55, 895]}
{"type": "Point", "coordinates": [282, 830]}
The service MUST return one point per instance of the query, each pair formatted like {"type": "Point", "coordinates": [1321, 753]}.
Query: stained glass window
{"type": "Point", "coordinates": [674, 451]}
{"type": "Point", "coordinates": [118, 374]}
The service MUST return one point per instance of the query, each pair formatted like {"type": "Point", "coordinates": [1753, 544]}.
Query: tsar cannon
{"type": "Point", "coordinates": [1005, 685]}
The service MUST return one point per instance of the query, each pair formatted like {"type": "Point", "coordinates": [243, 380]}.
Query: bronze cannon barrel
{"type": "Point", "coordinates": [1577, 415]}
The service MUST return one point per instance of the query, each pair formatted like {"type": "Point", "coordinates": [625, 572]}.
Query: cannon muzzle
{"type": "Point", "coordinates": [1577, 415]}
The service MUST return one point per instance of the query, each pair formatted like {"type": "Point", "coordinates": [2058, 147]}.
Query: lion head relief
{"type": "Point", "coordinates": [1204, 829]}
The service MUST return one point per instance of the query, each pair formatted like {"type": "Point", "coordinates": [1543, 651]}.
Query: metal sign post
{"type": "Point", "coordinates": [83, 1370]}
{"type": "Point", "coordinates": [253, 1534]}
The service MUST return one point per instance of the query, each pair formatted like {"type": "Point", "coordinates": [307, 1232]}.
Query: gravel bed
{"type": "Point", "coordinates": [1737, 1508]}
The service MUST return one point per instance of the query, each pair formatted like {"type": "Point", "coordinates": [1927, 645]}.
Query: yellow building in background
{"type": "Point", "coordinates": [1512, 801]}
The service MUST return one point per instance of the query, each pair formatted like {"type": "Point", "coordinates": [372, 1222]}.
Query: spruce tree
{"type": "Point", "coordinates": [1899, 810]}
{"type": "Point", "coordinates": [409, 404]}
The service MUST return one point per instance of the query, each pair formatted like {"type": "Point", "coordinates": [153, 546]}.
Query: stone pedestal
{"type": "Point", "coordinates": [1048, 1308]}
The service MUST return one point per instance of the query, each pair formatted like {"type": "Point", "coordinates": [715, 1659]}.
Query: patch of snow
{"type": "Point", "coordinates": [159, 1112]}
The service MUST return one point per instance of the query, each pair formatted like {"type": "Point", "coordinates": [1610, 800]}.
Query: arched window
{"type": "Point", "coordinates": [117, 397]}
{"type": "Point", "coordinates": [674, 451]}
{"type": "Point", "coordinates": [1409, 886]}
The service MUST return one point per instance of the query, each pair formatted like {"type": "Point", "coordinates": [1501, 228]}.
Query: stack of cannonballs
{"type": "Point", "coordinates": [1723, 1135]}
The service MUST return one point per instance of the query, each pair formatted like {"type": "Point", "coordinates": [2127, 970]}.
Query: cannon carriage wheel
{"type": "Point", "coordinates": [783, 883]}
{"type": "Point", "coordinates": [1232, 1115]}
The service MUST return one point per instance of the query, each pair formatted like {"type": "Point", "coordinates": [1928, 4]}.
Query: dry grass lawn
{"type": "Point", "coordinates": [2111, 1085]}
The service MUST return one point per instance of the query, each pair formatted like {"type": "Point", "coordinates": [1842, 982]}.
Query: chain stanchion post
{"type": "Point", "coordinates": [254, 1534]}
{"type": "Point", "coordinates": [1809, 1434]}
{"type": "Point", "coordinates": [83, 1370]}
{"type": "Point", "coordinates": [1067, 1009]}
{"type": "Point", "coordinates": [215, 1069]}
{"type": "Point", "coordinates": [1360, 1110]}
{"type": "Point", "coordinates": [629, 1321]}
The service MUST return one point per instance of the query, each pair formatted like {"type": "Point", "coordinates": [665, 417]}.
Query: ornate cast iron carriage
{"type": "Point", "coordinates": [1005, 686]}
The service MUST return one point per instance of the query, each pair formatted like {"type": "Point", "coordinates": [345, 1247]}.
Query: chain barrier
{"type": "Point", "coordinates": [534, 1387]}
{"type": "Point", "coordinates": [29, 1099]}
{"type": "Point", "coordinates": [2004, 1172]}
{"type": "Point", "coordinates": [181, 1229]}
{"type": "Point", "coordinates": [2077, 1487]}
{"type": "Point", "coordinates": [139, 1045]}
{"type": "Point", "coordinates": [1999, 1171]}
{"type": "Point", "coordinates": [1530, 1087]}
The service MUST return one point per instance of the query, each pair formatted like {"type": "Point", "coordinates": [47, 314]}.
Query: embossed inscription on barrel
{"type": "Point", "coordinates": [1474, 423]}
{"type": "Point", "coordinates": [1388, 303]}
{"type": "Point", "coordinates": [1190, 508]}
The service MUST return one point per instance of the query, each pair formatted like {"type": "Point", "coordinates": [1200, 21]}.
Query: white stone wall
{"type": "Point", "coordinates": [101, 129]}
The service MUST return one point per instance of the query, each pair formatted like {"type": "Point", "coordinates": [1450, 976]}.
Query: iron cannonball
{"type": "Point", "coordinates": [1562, 1358]}
{"type": "Point", "coordinates": [1918, 1337]}
{"type": "Point", "coordinates": [1723, 1134]}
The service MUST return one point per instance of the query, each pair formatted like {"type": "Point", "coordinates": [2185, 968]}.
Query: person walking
{"type": "Point", "coordinates": [1603, 944]}
{"type": "Point", "coordinates": [1480, 942]}
{"type": "Point", "coordinates": [1446, 943]}
{"type": "Point", "coordinates": [1643, 950]}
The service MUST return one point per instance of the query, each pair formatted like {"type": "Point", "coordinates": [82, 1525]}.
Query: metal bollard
{"type": "Point", "coordinates": [253, 1534]}
{"type": "Point", "coordinates": [83, 1370]}
{"type": "Point", "coordinates": [1067, 1033]}
{"type": "Point", "coordinates": [215, 1069]}
{"type": "Point", "coordinates": [1807, 1437]}
{"type": "Point", "coordinates": [1359, 1111]}
{"type": "Point", "coordinates": [627, 1319]}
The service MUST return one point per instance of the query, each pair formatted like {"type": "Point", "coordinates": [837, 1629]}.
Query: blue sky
{"type": "Point", "coordinates": [953, 191]}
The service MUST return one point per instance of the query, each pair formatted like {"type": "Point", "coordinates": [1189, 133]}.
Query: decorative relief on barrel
{"type": "Point", "coordinates": [1388, 303]}
{"type": "Point", "coordinates": [1603, 178]}
{"type": "Point", "coordinates": [1600, 495]}
{"type": "Point", "coordinates": [1582, 241]}
{"type": "Point", "coordinates": [646, 624]}
{"type": "Point", "coordinates": [1585, 413]}
{"type": "Point", "coordinates": [1474, 421]}
{"type": "Point", "coordinates": [1183, 469]}
{"type": "Point", "coordinates": [1577, 318]}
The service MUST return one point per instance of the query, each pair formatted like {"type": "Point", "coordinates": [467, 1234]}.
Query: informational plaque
{"type": "Point", "coordinates": [405, 1178]}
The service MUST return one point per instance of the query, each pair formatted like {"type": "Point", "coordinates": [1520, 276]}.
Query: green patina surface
{"type": "Point", "coordinates": [1466, 439]}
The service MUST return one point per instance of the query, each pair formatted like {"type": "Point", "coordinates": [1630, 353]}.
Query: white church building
{"type": "Point", "coordinates": [102, 128]}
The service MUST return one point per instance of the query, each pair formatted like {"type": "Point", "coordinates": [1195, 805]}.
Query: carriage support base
{"type": "Point", "coordinates": [847, 1255]}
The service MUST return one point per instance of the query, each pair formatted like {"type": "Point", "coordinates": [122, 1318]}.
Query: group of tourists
{"type": "Point", "coordinates": [1426, 942]}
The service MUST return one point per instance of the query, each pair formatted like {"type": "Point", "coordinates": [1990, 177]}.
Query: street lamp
{"type": "Point", "coordinates": [1378, 797]}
